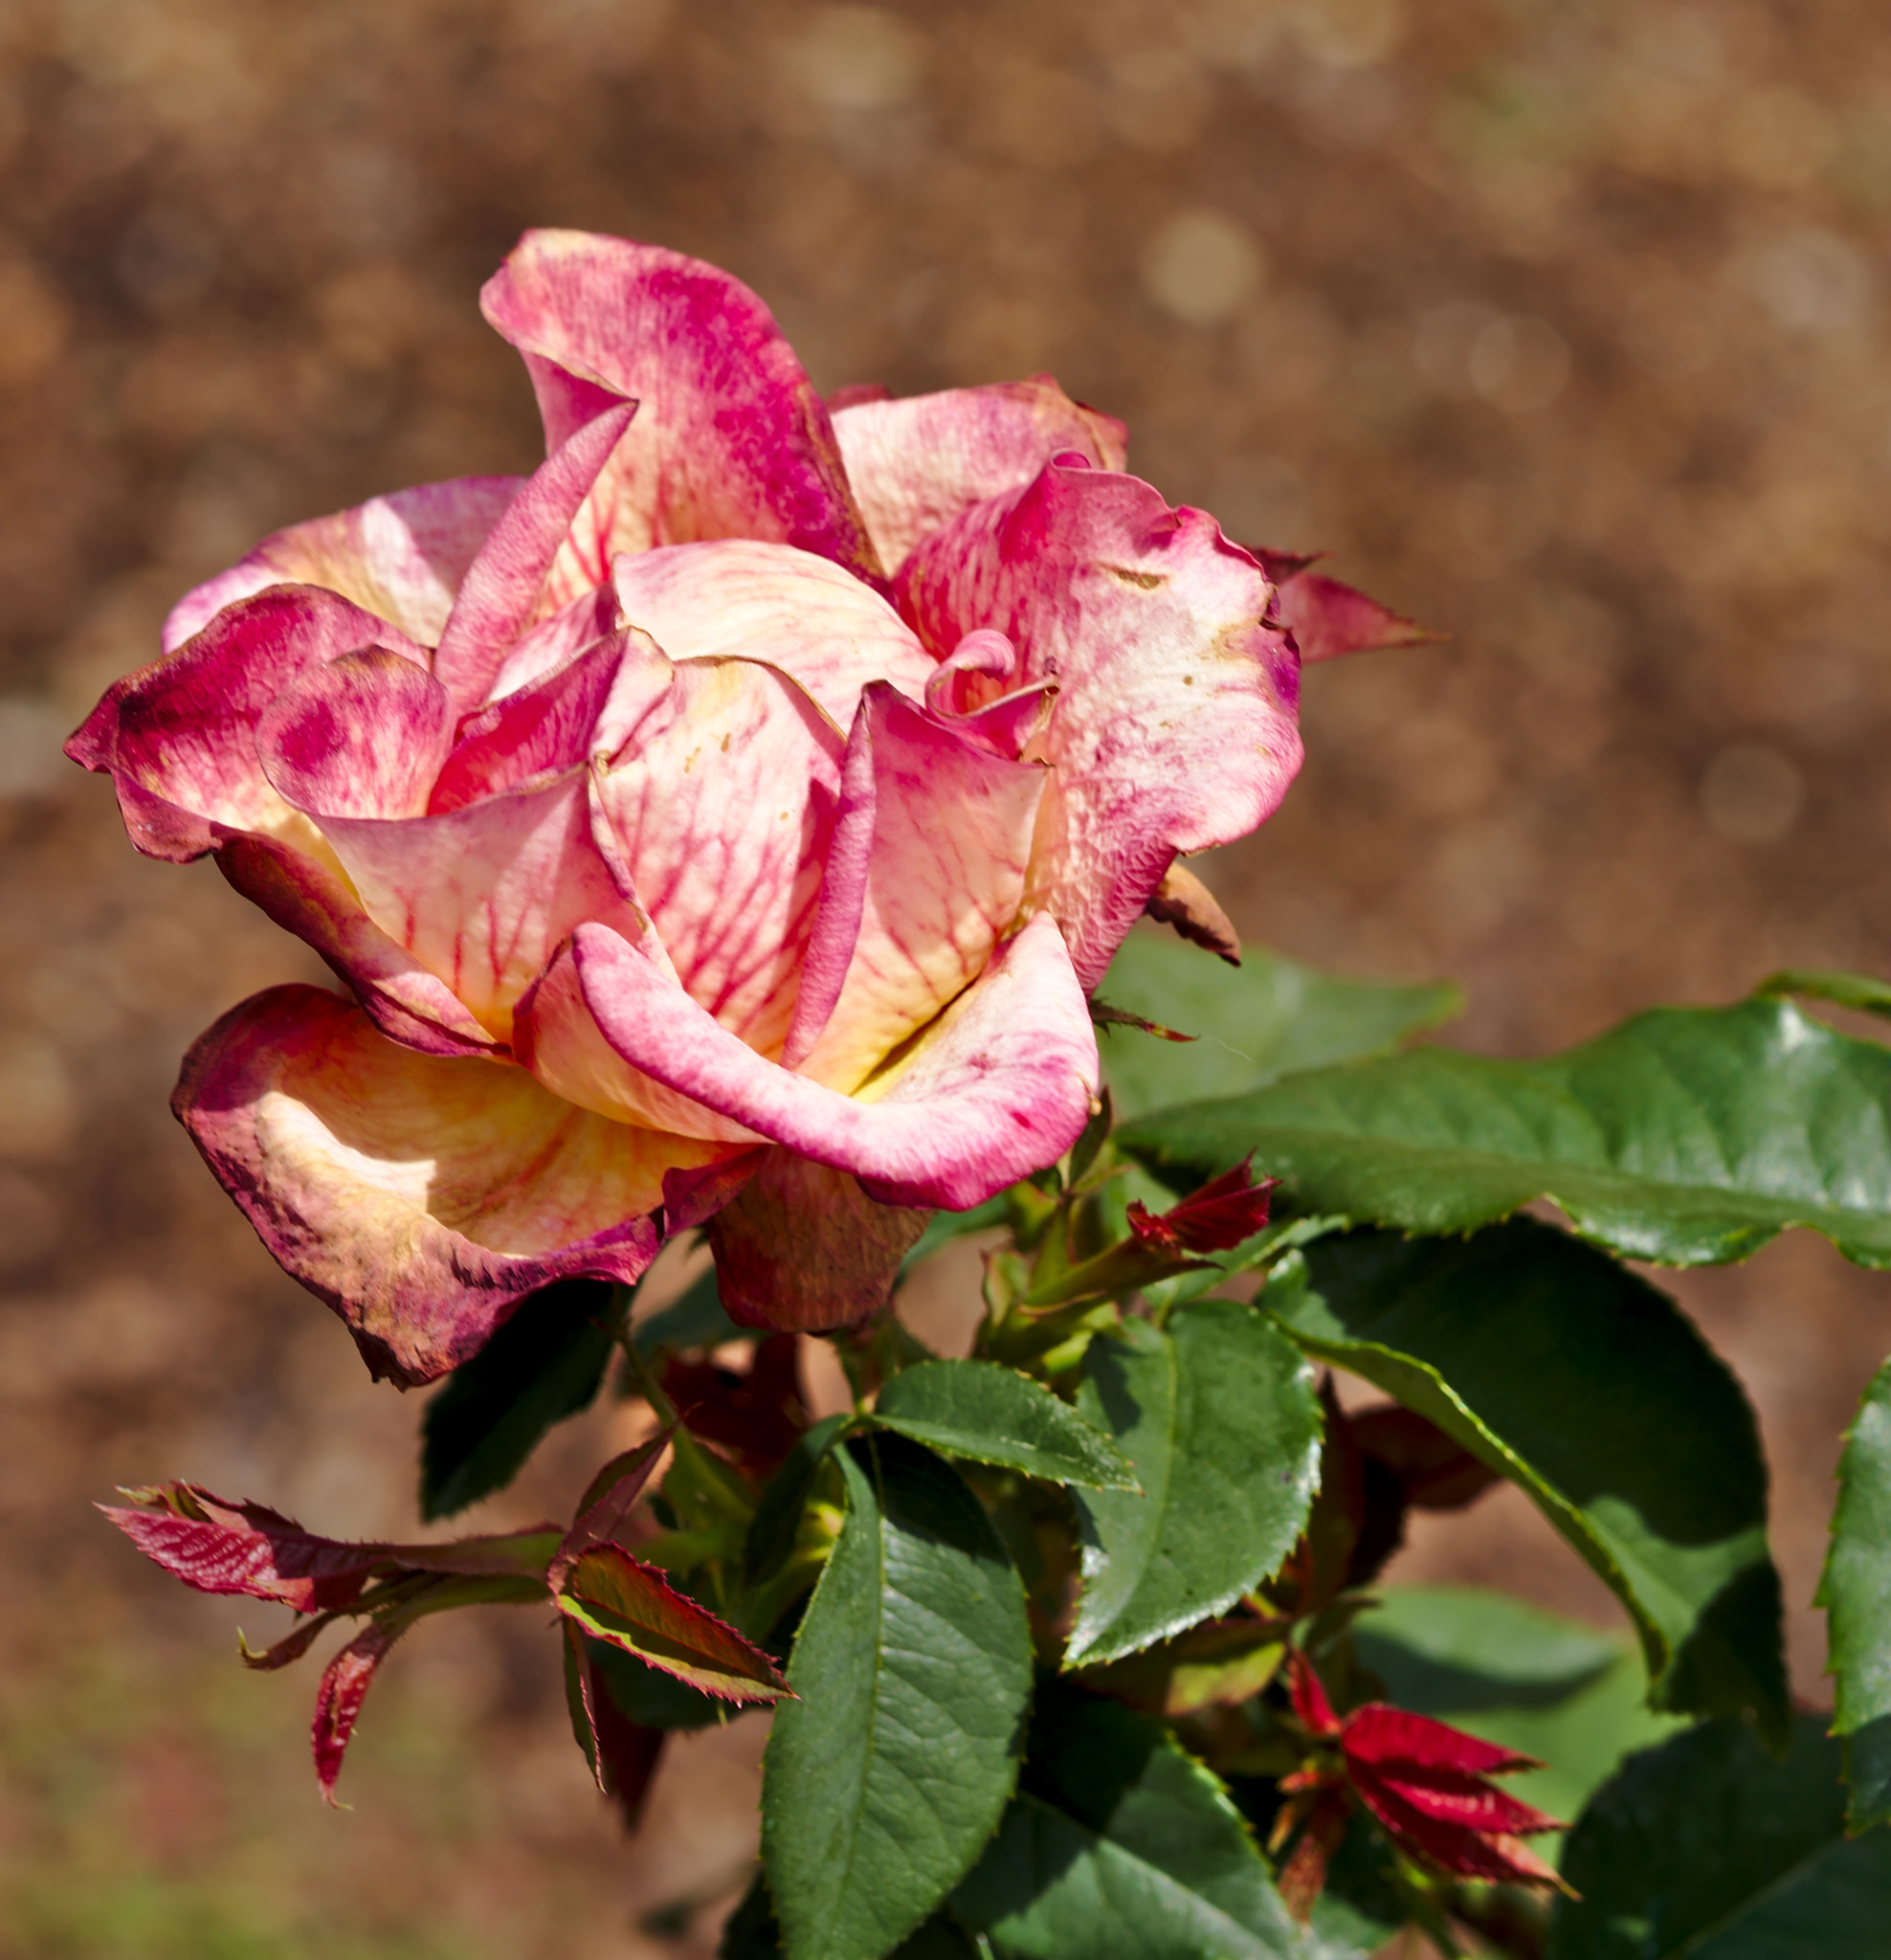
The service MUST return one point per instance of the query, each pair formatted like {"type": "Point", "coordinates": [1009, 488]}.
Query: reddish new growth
{"type": "Point", "coordinates": [1217, 1218]}
{"type": "Point", "coordinates": [1425, 1784]}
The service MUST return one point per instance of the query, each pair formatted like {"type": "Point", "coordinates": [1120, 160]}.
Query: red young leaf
{"type": "Point", "coordinates": [623, 1754]}
{"type": "Point", "coordinates": [757, 1417]}
{"type": "Point", "coordinates": [1467, 1851]}
{"type": "Point", "coordinates": [620, 1599]}
{"type": "Point", "coordinates": [1390, 1739]}
{"type": "Point", "coordinates": [608, 1497]}
{"type": "Point", "coordinates": [220, 1547]}
{"type": "Point", "coordinates": [345, 1685]}
{"type": "Point", "coordinates": [1217, 1218]}
{"type": "Point", "coordinates": [1309, 1695]}
{"type": "Point", "coordinates": [1304, 1876]}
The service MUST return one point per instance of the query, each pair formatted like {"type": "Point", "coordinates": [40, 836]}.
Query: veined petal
{"type": "Point", "coordinates": [590, 705]}
{"type": "Point", "coordinates": [1174, 728]}
{"type": "Point", "coordinates": [803, 1248]}
{"type": "Point", "coordinates": [730, 439]}
{"type": "Point", "coordinates": [998, 1087]}
{"type": "Point", "coordinates": [422, 1200]}
{"type": "Point", "coordinates": [817, 623]}
{"type": "Point", "coordinates": [179, 737]}
{"type": "Point", "coordinates": [482, 895]}
{"type": "Point", "coordinates": [918, 463]}
{"type": "Point", "coordinates": [504, 587]}
{"type": "Point", "coordinates": [363, 736]}
{"type": "Point", "coordinates": [722, 808]}
{"type": "Point", "coordinates": [943, 879]}
{"type": "Point", "coordinates": [400, 557]}
{"type": "Point", "coordinates": [407, 1003]}
{"type": "Point", "coordinates": [558, 637]}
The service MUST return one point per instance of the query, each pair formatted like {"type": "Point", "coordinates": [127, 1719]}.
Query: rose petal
{"type": "Point", "coordinates": [804, 1248]}
{"type": "Point", "coordinates": [1174, 725]}
{"type": "Point", "coordinates": [814, 621]}
{"type": "Point", "coordinates": [179, 737]}
{"type": "Point", "coordinates": [409, 1004]}
{"type": "Point", "coordinates": [504, 586]}
{"type": "Point", "coordinates": [422, 1200]}
{"type": "Point", "coordinates": [730, 439]}
{"type": "Point", "coordinates": [363, 736]}
{"type": "Point", "coordinates": [556, 639]}
{"type": "Point", "coordinates": [723, 808]}
{"type": "Point", "coordinates": [482, 895]}
{"type": "Point", "coordinates": [943, 881]}
{"type": "Point", "coordinates": [999, 1085]}
{"type": "Point", "coordinates": [917, 464]}
{"type": "Point", "coordinates": [401, 557]}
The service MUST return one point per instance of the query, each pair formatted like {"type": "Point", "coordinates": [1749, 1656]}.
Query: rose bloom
{"type": "Point", "coordinates": [724, 826]}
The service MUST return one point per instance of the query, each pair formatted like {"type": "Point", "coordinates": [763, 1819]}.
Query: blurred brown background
{"type": "Point", "coordinates": [1562, 326]}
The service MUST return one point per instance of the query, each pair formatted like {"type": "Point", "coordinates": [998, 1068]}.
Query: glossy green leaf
{"type": "Point", "coordinates": [1864, 991]}
{"type": "Point", "coordinates": [545, 1364]}
{"type": "Point", "coordinates": [1589, 1390]}
{"type": "Point", "coordinates": [1686, 1136]}
{"type": "Point", "coordinates": [777, 1520]}
{"type": "Point", "coordinates": [1709, 1848]}
{"type": "Point", "coordinates": [883, 1783]}
{"type": "Point", "coordinates": [1219, 1420]}
{"type": "Point", "coordinates": [1254, 1022]}
{"type": "Point", "coordinates": [994, 1414]}
{"type": "Point", "coordinates": [1121, 1847]}
{"type": "Point", "coordinates": [1573, 1697]}
{"type": "Point", "coordinates": [1856, 1592]}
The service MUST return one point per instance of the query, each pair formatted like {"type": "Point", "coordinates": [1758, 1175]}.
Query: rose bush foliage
{"type": "Point", "coordinates": [725, 825]}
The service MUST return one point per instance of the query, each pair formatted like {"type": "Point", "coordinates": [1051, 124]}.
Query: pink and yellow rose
{"type": "Point", "coordinates": [725, 825]}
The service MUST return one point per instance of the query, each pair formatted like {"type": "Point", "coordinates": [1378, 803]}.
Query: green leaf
{"type": "Point", "coordinates": [648, 1696]}
{"type": "Point", "coordinates": [1686, 1136]}
{"type": "Point", "coordinates": [752, 1934]}
{"type": "Point", "coordinates": [993, 1414]}
{"type": "Point", "coordinates": [777, 1520]}
{"type": "Point", "coordinates": [1263, 1019]}
{"type": "Point", "coordinates": [1589, 1390]}
{"type": "Point", "coordinates": [1218, 1418]}
{"type": "Point", "coordinates": [1710, 1848]}
{"type": "Point", "coordinates": [1515, 1675]}
{"type": "Point", "coordinates": [883, 1782]}
{"type": "Point", "coordinates": [545, 1364]}
{"type": "Point", "coordinates": [1856, 1592]}
{"type": "Point", "coordinates": [1121, 1847]}
{"type": "Point", "coordinates": [1864, 992]}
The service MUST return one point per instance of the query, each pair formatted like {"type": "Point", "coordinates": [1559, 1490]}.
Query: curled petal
{"type": "Point", "coordinates": [504, 585]}
{"type": "Point", "coordinates": [590, 705]}
{"type": "Point", "coordinates": [817, 623]}
{"type": "Point", "coordinates": [400, 557]}
{"type": "Point", "coordinates": [421, 1198]}
{"type": "Point", "coordinates": [482, 895]}
{"type": "Point", "coordinates": [179, 738]}
{"type": "Point", "coordinates": [804, 1248]}
{"type": "Point", "coordinates": [999, 1085]}
{"type": "Point", "coordinates": [941, 882]}
{"type": "Point", "coordinates": [730, 439]}
{"type": "Point", "coordinates": [918, 463]}
{"type": "Point", "coordinates": [1174, 726]}
{"type": "Point", "coordinates": [721, 810]}
{"type": "Point", "coordinates": [560, 637]}
{"type": "Point", "coordinates": [407, 1003]}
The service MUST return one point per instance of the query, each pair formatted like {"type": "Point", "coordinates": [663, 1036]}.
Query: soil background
{"type": "Point", "coordinates": [1563, 326]}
